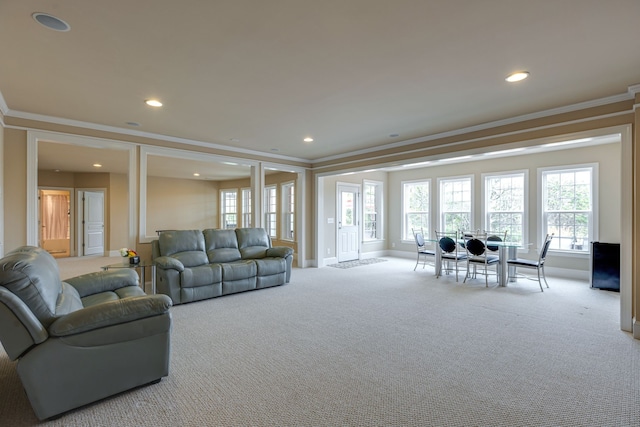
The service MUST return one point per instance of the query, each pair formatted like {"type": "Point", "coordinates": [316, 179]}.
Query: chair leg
{"type": "Point", "coordinates": [417, 261]}
{"type": "Point", "coordinates": [540, 281]}
{"type": "Point", "coordinates": [544, 276]}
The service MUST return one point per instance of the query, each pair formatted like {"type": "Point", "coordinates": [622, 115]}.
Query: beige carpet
{"type": "Point", "coordinates": [382, 345]}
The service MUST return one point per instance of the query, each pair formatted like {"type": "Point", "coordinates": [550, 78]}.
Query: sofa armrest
{"type": "Point", "coordinates": [168, 263]}
{"type": "Point", "coordinates": [103, 281]}
{"type": "Point", "coordinates": [279, 252]}
{"type": "Point", "coordinates": [109, 314]}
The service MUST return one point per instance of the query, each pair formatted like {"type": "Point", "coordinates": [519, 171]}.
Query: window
{"type": "Point", "coordinates": [270, 210]}
{"type": "Point", "coordinates": [505, 196]}
{"type": "Point", "coordinates": [229, 205]}
{"type": "Point", "coordinates": [288, 210]}
{"type": "Point", "coordinates": [455, 204]}
{"type": "Point", "coordinates": [246, 207]}
{"type": "Point", "coordinates": [372, 210]}
{"type": "Point", "coordinates": [415, 206]}
{"type": "Point", "coordinates": [567, 207]}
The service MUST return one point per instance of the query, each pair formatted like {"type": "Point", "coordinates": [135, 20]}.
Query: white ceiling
{"type": "Point", "coordinates": [262, 75]}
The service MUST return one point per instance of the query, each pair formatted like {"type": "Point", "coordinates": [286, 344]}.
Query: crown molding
{"type": "Point", "coordinates": [122, 131]}
{"type": "Point", "coordinates": [489, 125]}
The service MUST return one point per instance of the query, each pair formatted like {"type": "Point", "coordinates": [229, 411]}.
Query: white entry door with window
{"type": "Point", "coordinates": [348, 224]}
{"type": "Point", "coordinates": [93, 217]}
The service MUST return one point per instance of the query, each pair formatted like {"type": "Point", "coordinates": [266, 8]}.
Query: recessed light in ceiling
{"type": "Point", "coordinates": [234, 140]}
{"type": "Point", "coordinates": [196, 174]}
{"type": "Point", "coordinates": [153, 103]}
{"type": "Point", "coordinates": [133, 124]}
{"type": "Point", "coordinates": [308, 139]}
{"type": "Point", "coordinates": [97, 165]}
{"type": "Point", "coordinates": [517, 76]}
{"type": "Point", "coordinates": [394, 135]}
{"type": "Point", "coordinates": [275, 150]}
{"type": "Point", "coordinates": [51, 22]}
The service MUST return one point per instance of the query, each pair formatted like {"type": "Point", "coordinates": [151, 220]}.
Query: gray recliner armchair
{"type": "Point", "coordinates": [81, 340]}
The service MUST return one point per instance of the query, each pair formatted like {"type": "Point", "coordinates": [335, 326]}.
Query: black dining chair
{"type": "Point", "coordinates": [422, 250]}
{"type": "Point", "coordinates": [450, 252]}
{"type": "Point", "coordinates": [538, 264]}
{"type": "Point", "coordinates": [479, 254]}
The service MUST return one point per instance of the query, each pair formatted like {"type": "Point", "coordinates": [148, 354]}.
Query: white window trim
{"type": "Point", "coordinates": [284, 211]}
{"type": "Point", "coordinates": [483, 194]}
{"type": "Point", "coordinates": [472, 186]}
{"type": "Point", "coordinates": [379, 209]}
{"type": "Point", "coordinates": [403, 226]}
{"type": "Point", "coordinates": [266, 211]}
{"type": "Point", "coordinates": [242, 200]}
{"type": "Point", "coordinates": [595, 206]}
{"type": "Point", "coordinates": [223, 206]}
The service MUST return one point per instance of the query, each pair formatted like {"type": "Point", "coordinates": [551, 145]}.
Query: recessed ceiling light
{"type": "Point", "coordinates": [517, 76]}
{"type": "Point", "coordinates": [307, 139]}
{"type": "Point", "coordinates": [234, 140]}
{"type": "Point", "coordinates": [153, 103]}
{"type": "Point", "coordinates": [196, 174]}
{"type": "Point", "coordinates": [133, 124]}
{"type": "Point", "coordinates": [50, 21]}
{"type": "Point", "coordinates": [274, 150]}
{"type": "Point", "coordinates": [97, 165]}
{"type": "Point", "coordinates": [394, 135]}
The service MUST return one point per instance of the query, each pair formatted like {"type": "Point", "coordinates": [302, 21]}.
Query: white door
{"type": "Point", "coordinates": [93, 217]}
{"type": "Point", "coordinates": [348, 224]}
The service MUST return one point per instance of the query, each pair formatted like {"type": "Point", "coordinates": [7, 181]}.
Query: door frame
{"type": "Point", "coordinates": [72, 217]}
{"type": "Point", "coordinates": [357, 215]}
{"type": "Point", "coordinates": [80, 215]}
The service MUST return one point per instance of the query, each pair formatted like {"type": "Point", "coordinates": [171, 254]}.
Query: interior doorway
{"type": "Point", "coordinates": [55, 221]}
{"type": "Point", "coordinates": [91, 227]}
{"type": "Point", "coordinates": [348, 222]}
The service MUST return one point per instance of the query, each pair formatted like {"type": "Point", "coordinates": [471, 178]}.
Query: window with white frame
{"type": "Point", "coordinates": [372, 210]}
{"type": "Point", "coordinates": [567, 207]}
{"type": "Point", "coordinates": [246, 207]}
{"type": "Point", "coordinates": [415, 208]}
{"type": "Point", "coordinates": [288, 211]}
{"type": "Point", "coordinates": [270, 210]}
{"type": "Point", "coordinates": [455, 204]}
{"type": "Point", "coordinates": [505, 196]}
{"type": "Point", "coordinates": [229, 208]}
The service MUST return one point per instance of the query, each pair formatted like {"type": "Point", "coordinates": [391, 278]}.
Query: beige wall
{"type": "Point", "coordinates": [181, 204]}
{"type": "Point", "coordinates": [15, 189]}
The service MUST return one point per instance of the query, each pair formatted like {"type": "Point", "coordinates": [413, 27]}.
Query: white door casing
{"type": "Point", "coordinates": [93, 218]}
{"type": "Point", "coordinates": [348, 238]}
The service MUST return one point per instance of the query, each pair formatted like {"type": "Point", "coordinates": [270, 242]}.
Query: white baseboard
{"type": "Point", "coordinates": [567, 273]}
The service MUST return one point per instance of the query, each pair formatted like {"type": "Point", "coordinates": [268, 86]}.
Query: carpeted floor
{"type": "Point", "coordinates": [382, 346]}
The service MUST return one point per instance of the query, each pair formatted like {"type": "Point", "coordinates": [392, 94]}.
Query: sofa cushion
{"type": "Point", "coordinates": [238, 270]}
{"type": "Point", "coordinates": [32, 274]}
{"type": "Point", "coordinates": [187, 246]}
{"type": "Point", "coordinates": [253, 242]}
{"type": "Point", "coordinates": [270, 266]}
{"type": "Point", "coordinates": [221, 245]}
{"type": "Point", "coordinates": [203, 275]}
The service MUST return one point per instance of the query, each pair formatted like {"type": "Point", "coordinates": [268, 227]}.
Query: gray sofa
{"type": "Point", "coordinates": [81, 340]}
{"type": "Point", "coordinates": [193, 265]}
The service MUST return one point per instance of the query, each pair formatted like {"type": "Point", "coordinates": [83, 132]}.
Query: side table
{"type": "Point", "coordinates": [140, 267]}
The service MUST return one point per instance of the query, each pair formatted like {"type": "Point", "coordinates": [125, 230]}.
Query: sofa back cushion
{"type": "Point", "coordinates": [253, 242]}
{"type": "Point", "coordinates": [187, 246]}
{"type": "Point", "coordinates": [221, 245]}
{"type": "Point", "coordinates": [32, 275]}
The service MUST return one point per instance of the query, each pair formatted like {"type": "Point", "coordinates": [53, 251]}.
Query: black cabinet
{"type": "Point", "coordinates": [605, 266]}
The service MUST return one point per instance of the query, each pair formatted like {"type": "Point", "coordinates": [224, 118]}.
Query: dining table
{"type": "Point", "coordinates": [506, 250]}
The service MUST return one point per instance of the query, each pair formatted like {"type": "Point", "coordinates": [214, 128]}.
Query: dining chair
{"type": "Point", "coordinates": [478, 254]}
{"type": "Point", "coordinates": [450, 252]}
{"type": "Point", "coordinates": [421, 248]}
{"type": "Point", "coordinates": [537, 264]}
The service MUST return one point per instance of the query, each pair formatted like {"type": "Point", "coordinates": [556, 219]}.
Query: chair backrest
{"type": "Point", "coordinates": [495, 236]}
{"type": "Point", "coordinates": [476, 245]}
{"type": "Point", "coordinates": [419, 238]}
{"type": "Point", "coordinates": [545, 248]}
{"type": "Point", "coordinates": [447, 241]}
